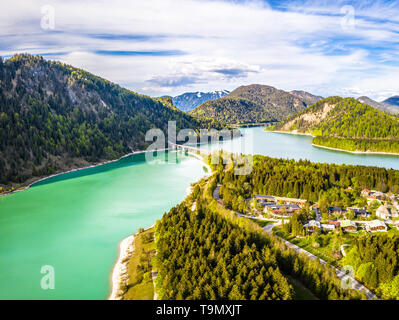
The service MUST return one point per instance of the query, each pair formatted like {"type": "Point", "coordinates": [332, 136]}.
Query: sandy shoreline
{"type": "Point", "coordinates": [126, 249]}
{"type": "Point", "coordinates": [119, 274]}
{"type": "Point", "coordinates": [291, 132]}
{"type": "Point", "coordinates": [357, 152]}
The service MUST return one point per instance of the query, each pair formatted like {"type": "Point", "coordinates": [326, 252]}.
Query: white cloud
{"type": "Point", "coordinates": [225, 44]}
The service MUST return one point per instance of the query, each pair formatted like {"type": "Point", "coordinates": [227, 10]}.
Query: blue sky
{"type": "Point", "coordinates": [159, 47]}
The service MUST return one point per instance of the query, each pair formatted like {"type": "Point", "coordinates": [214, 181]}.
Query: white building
{"type": "Point", "coordinates": [328, 227]}
{"type": "Point", "coordinates": [383, 212]}
{"type": "Point", "coordinates": [376, 225]}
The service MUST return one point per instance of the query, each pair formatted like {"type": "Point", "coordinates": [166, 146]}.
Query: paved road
{"type": "Point", "coordinates": [341, 275]}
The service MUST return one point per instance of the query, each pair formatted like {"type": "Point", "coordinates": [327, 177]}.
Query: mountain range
{"type": "Point", "coordinates": [55, 117]}
{"type": "Point", "coordinates": [254, 103]}
{"type": "Point", "coordinates": [190, 100]}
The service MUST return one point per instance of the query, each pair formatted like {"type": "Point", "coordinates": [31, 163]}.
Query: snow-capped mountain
{"type": "Point", "coordinates": [189, 100]}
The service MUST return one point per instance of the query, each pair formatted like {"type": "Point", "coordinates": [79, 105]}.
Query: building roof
{"type": "Point", "coordinates": [375, 224]}
{"type": "Point", "coordinates": [335, 223]}
{"type": "Point", "coordinates": [291, 199]}
{"type": "Point", "coordinates": [263, 196]}
{"type": "Point", "coordinates": [383, 209]}
{"type": "Point", "coordinates": [334, 209]}
{"type": "Point", "coordinates": [313, 223]}
{"type": "Point", "coordinates": [360, 211]}
{"type": "Point", "coordinates": [328, 226]}
{"type": "Point", "coordinates": [347, 223]}
{"type": "Point", "coordinates": [268, 204]}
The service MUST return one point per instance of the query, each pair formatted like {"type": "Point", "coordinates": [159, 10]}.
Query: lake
{"type": "Point", "coordinates": [283, 145]}
{"type": "Point", "coordinates": [75, 221]}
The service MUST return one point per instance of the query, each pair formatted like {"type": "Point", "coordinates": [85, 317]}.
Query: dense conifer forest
{"type": "Point", "coordinates": [55, 117]}
{"type": "Point", "coordinates": [375, 260]}
{"type": "Point", "coordinates": [205, 251]}
{"type": "Point", "coordinates": [307, 180]}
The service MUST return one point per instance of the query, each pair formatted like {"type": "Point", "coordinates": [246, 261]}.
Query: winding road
{"type": "Point", "coordinates": [347, 280]}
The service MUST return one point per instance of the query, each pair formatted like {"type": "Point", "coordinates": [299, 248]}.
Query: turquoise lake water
{"type": "Point", "coordinates": [74, 222]}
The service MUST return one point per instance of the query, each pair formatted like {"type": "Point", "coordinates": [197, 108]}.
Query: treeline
{"type": "Point", "coordinates": [307, 180]}
{"type": "Point", "coordinates": [207, 252]}
{"type": "Point", "coordinates": [375, 260]}
{"type": "Point", "coordinates": [54, 117]}
{"type": "Point", "coordinates": [389, 145]}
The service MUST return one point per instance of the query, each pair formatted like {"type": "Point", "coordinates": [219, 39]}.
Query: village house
{"type": "Point", "coordinates": [336, 211]}
{"type": "Point", "coordinates": [365, 193]}
{"type": "Point", "coordinates": [281, 209]}
{"type": "Point", "coordinates": [264, 199]}
{"type": "Point", "coordinates": [376, 225]}
{"type": "Point", "coordinates": [337, 224]}
{"type": "Point", "coordinates": [372, 194]}
{"type": "Point", "coordinates": [383, 212]}
{"type": "Point", "coordinates": [279, 200]}
{"type": "Point", "coordinates": [312, 225]}
{"type": "Point", "coordinates": [328, 227]}
{"type": "Point", "coordinates": [359, 212]}
{"type": "Point", "coordinates": [348, 226]}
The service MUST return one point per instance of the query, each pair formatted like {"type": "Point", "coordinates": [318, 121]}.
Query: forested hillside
{"type": "Point", "coordinates": [346, 123]}
{"type": "Point", "coordinates": [249, 104]}
{"type": "Point", "coordinates": [55, 117]}
{"type": "Point", "coordinates": [375, 260]}
{"type": "Point", "coordinates": [207, 252]}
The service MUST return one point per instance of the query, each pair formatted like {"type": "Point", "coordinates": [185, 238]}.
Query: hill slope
{"type": "Point", "coordinates": [346, 124]}
{"type": "Point", "coordinates": [253, 103]}
{"type": "Point", "coordinates": [54, 117]}
{"type": "Point", "coordinates": [190, 100]}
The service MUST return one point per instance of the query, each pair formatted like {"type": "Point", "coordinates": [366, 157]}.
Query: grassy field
{"type": "Point", "coordinates": [261, 223]}
{"type": "Point", "coordinates": [140, 285]}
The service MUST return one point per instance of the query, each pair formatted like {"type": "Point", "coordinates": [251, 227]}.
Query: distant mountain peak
{"type": "Point", "coordinates": [387, 105]}
{"type": "Point", "coordinates": [190, 100]}
{"type": "Point", "coordinates": [393, 101]}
